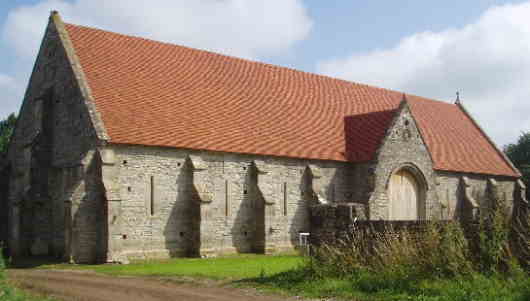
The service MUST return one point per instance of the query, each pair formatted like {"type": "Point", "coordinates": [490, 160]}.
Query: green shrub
{"type": "Point", "coordinates": [479, 261]}
{"type": "Point", "coordinates": [441, 250]}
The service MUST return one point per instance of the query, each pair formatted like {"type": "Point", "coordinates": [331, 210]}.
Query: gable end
{"type": "Point", "coordinates": [97, 121]}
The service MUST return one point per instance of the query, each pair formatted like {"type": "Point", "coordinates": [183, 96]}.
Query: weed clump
{"type": "Point", "coordinates": [10, 293]}
{"type": "Point", "coordinates": [492, 251]}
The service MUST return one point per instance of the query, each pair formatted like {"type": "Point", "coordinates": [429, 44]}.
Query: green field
{"type": "Point", "coordinates": [291, 275]}
{"type": "Point", "coordinates": [222, 268]}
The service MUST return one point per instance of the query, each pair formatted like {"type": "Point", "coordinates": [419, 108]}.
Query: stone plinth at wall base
{"type": "Point", "coordinates": [154, 254]}
{"type": "Point", "coordinates": [127, 256]}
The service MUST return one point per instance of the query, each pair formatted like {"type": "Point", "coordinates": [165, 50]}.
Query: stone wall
{"type": "Point", "coordinates": [72, 195]}
{"type": "Point", "coordinates": [451, 193]}
{"type": "Point", "coordinates": [52, 157]}
{"type": "Point", "coordinates": [403, 147]}
{"type": "Point", "coordinates": [332, 222]}
{"type": "Point", "coordinates": [177, 202]}
{"type": "Point", "coordinates": [339, 223]}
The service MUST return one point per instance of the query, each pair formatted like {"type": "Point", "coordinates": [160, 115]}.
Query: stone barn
{"type": "Point", "coordinates": [131, 148]}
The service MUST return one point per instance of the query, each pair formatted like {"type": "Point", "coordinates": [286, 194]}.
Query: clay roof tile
{"type": "Point", "coordinates": [159, 94]}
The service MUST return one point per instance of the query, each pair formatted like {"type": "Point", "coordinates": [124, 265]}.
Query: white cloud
{"type": "Point", "coordinates": [250, 29]}
{"type": "Point", "coordinates": [11, 92]}
{"type": "Point", "coordinates": [488, 61]}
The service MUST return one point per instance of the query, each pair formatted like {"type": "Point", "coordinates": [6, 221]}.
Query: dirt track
{"type": "Point", "coordinates": [88, 286]}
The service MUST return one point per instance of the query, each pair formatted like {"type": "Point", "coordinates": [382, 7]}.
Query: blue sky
{"type": "Point", "coordinates": [429, 48]}
{"type": "Point", "coordinates": [343, 27]}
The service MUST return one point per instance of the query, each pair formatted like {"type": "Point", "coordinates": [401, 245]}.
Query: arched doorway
{"type": "Point", "coordinates": [406, 194]}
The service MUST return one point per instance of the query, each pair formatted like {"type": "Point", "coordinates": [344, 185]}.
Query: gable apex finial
{"type": "Point", "coordinates": [457, 101]}
{"type": "Point", "coordinates": [54, 16]}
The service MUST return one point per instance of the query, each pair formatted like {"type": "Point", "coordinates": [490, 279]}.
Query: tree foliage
{"type": "Point", "coordinates": [519, 153]}
{"type": "Point", "coordinates": [6, 129]}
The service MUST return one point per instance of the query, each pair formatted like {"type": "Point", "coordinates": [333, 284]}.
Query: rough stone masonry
{"type": "Point", "coordinates": [70, 192]}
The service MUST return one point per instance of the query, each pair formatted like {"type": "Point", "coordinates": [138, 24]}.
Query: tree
{"type": "Point", "coordinates": [519, 153]}
{"type": "Point", "coordinates": [6, 129]}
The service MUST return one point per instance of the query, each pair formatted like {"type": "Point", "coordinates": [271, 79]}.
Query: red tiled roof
{"type": "Point", "coordinates": [158, 94]}
{"type": "Point", "coordinates": [455, 141]}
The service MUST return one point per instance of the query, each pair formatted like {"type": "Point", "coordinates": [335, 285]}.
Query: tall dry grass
{"type": "Point", "coordinates": [496, 244]}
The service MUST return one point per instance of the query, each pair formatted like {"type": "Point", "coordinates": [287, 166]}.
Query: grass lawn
{"type": "Point", "coordinates": [289, 275]}
{"type": "Point", "coordinates": [222, 268]}
{"type": "Point", "coordinates": [376, 288]}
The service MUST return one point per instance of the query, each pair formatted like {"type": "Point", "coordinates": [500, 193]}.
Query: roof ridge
{"type": "Point", "coordinates": [260, 63]}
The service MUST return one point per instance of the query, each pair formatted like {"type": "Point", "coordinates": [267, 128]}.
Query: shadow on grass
{"type": "Point", "coordinates": [370, 287]}
{"type": "Point", "coordinates": [298, 281]}
{"type": "Point", "coordinates": [31, 262]}
{"type": "Point", "coordinates": [284, 280]}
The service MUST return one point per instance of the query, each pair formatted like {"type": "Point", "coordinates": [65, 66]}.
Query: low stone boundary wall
{"type": "Point", "coordinates": [330, 223]}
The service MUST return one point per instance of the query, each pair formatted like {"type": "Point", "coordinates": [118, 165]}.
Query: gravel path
{"type": "Point", "coordinates": [89, 286]}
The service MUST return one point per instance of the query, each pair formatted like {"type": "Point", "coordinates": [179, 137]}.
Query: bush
{"type": "Point", "coordinates": [495, 246]}
{"type": "Point", "coordinates": [479, 261]}
{"type": "Point", "coordinates": [440, 250]}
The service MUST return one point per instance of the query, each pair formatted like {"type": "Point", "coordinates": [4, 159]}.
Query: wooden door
{"type": "Point", "coordinates": [404, 196]}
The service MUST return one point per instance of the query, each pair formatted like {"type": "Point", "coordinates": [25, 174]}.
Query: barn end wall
{"type": "Point", "coordinates": [403, 147]}
{"type": "Point", "coordinates": [190, 203]}
{"type": "Point", "coordinates": [54, 180]}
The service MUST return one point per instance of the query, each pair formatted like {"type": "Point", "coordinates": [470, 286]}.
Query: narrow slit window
{"type": "Point", "coordinates": [285, 199]}
{"type": "Point", "coordinates": [227, 199]}
{"type": "Point", "coordinates": [152, 196]}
